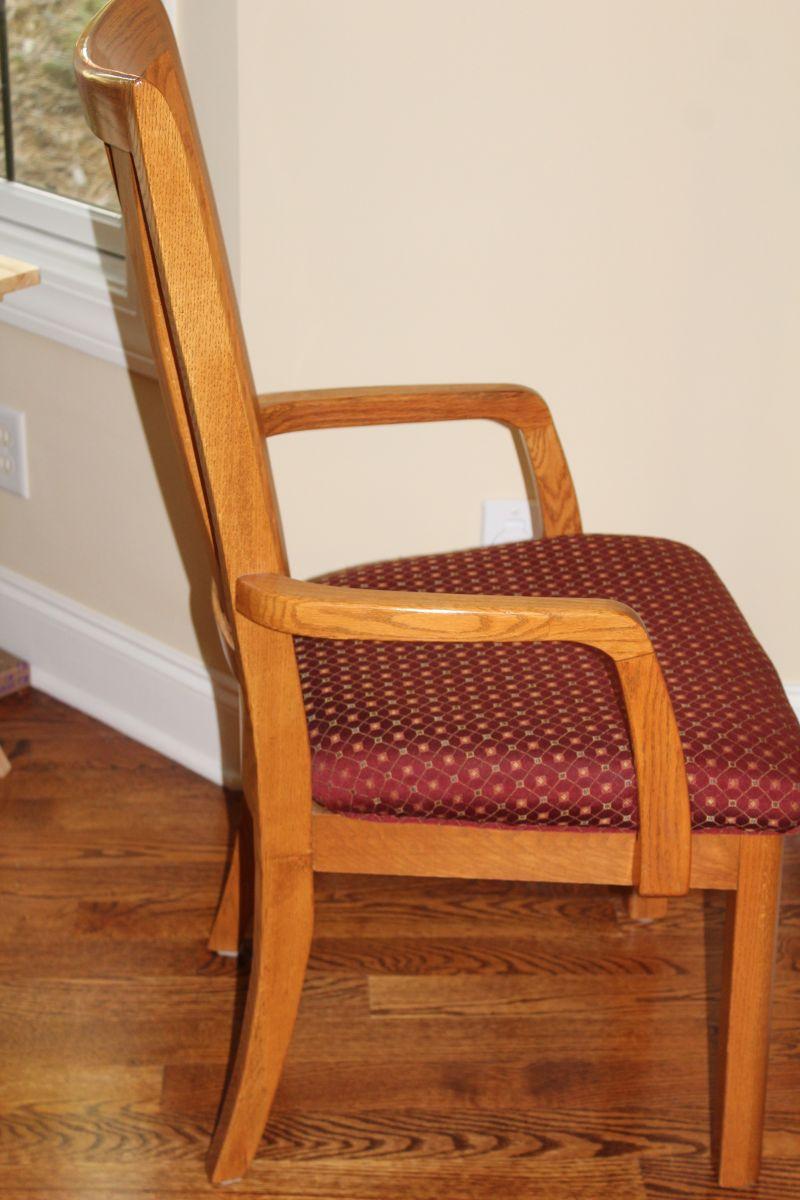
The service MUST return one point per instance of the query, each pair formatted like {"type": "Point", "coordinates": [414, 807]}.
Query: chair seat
{"type": "Point", "coordinates": [535, 734]}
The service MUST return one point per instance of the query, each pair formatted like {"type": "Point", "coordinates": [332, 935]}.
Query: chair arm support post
{"type": "Point", "coordinates": [319, 610]}
{"type": "Point", "coordinates": [517, 407]}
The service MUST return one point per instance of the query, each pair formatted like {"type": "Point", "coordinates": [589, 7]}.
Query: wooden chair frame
{"type": "Point", "coordinates": [135, 96]}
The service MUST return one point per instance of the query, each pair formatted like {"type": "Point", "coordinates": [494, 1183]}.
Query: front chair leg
{"type": "Point", "coordinates": [283, 920]}
{"type": "Point", "coordinates": [744, 1026]}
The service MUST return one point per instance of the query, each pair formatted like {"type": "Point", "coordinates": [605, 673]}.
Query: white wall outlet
{"type": "Point", "coordinates": [505, 521]}
{"type": "Point", "coordinates": [13, 452]}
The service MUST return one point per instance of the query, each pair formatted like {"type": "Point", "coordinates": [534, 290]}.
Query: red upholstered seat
{"type": "Point", "coordinates": [535, 734]}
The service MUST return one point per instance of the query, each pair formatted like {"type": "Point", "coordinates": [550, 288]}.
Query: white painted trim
{"type": "Point", "coordinates": [135, 684]}
{"type": "Point", "coordinates": [62, 217]}
{"type": "Point", "coordinates": [85, 299]}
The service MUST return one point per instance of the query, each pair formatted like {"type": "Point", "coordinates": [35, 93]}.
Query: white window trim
{"type": "Point", "coordinates": [86, 298]}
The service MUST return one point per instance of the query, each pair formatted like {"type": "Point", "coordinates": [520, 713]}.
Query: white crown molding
{"type": "Point", "coordinates": [135, 684]}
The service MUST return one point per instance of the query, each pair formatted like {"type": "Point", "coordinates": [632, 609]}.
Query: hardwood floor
{"type": "Point", "coordinates": [455, 1040]}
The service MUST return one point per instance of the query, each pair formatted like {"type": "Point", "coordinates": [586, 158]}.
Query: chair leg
{"type": "Point", "coordinates": [744, 1026]}
{"type": "Point", "coordinates": [281, 940]}
{"type": "Point", "coordinates": [235, 909]}
{"type": "Point", "coordinates": [646, 908]}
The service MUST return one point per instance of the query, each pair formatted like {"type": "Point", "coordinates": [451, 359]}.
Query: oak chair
{"type": "Point", "coordinates": [384, 710]}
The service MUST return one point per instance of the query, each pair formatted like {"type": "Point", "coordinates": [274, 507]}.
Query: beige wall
{"type": "Point", "coordinates": [596, 199]}
{"type": "Point", "coordinates": [109, 522]}
{"type": "Point", "coordinates": [107, 504]}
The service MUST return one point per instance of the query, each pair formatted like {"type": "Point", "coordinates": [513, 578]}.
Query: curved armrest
{"type": "Point", "coordinates": [520, 408]}
{"type": "Point", "coordinates": [290, 606]}
{"type": "Point", "coordinates": [371, 614]}
{"type": "Point", "coordinates": [338, 408]}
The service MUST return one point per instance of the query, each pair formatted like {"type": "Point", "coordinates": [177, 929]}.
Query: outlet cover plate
{"type": "Point", "coordinates": [506, 521]}
{"type": "Point", "coordinates": [13, 452]}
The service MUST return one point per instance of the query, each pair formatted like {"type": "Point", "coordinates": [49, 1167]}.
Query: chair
{"type": "Point", "coordinates": [582, 709]}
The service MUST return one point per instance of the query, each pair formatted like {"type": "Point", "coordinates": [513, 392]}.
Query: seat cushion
{"type": "Point", "coordinates": [535, 734]}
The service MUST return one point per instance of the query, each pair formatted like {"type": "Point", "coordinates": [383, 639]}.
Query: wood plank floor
{"type": "Point", "coordinates": [455, 1041]}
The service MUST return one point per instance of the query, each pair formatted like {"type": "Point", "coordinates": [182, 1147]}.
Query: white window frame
{"type": "Point", "coordinates": [86, 298]}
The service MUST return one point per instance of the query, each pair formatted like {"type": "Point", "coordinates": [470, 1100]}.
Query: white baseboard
{"type": "Point", "coordinates": [132, 682]}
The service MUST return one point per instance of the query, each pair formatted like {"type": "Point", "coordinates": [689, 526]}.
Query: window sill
{"type": "Point", "coordinates": [85, 299]}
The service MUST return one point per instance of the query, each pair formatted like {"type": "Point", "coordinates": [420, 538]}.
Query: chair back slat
{"type": "Point", "coordinates": [135, 95]}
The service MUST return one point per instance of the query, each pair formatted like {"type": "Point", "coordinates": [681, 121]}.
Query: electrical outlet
{"type": "Point", "coordinates": [505, 521]}
{"type": "Point", "coordinates": [13, 452]}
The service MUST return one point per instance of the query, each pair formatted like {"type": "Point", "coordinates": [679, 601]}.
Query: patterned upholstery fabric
{"type": "Point", "coordinates": [535, 734]}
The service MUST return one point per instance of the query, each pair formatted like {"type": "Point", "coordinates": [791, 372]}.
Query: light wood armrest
{"type": "Point", "coordinates": [372, 614]}
{"type": "Point", "coordinates": [15, 275]}
{"type": "Point", "coordinates": [290, 606]}
{"type": "Point", "coordinates": [520, 408]}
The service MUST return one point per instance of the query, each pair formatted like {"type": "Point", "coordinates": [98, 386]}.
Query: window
{"type": "Point", "coordinates": [46, 143]}
{"type": "Point", "coordinates": [58, 207]}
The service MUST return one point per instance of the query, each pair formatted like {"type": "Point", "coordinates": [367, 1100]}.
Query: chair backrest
{"type": "Point", "coordinates": [136, 99]}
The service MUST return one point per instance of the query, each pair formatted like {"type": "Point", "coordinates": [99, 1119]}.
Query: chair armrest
{"type": "Point", "coordinates": [336, 408]}
{"type": "Point", "coordinates": [517, 407]}
{"type": "Point", "coordinates": [289, 606]}
{"type": "Point", "coordinates": [372, 614]}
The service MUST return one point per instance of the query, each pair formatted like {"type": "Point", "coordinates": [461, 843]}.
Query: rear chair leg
{"type": "Point", "coordinates": [235, 910]}
{"type": "Point", "coordinates": [646, 908]}
{"type": "Point", "coordinates": [283, 922]}
{"type": "Point", "coordinates": [747, 989]}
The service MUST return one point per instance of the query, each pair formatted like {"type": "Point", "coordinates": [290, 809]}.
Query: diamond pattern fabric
{"type": "Point", "coordinates": [535, 735]}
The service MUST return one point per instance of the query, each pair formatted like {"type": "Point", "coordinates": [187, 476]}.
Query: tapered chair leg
{"type": "Point", "coordinates": [234, 914]}
{"type": "Point", "coordinates": [281, 941]}
{"type": "Point", "coordinates": [747, 991]}
{"type": "Point", "coordinates": [646, 908]}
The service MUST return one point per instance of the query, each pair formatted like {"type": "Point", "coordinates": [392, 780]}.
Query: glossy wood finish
{"type": "Point", "coordinates": [233, 920]}
{"type": "Point", "coordinates": [646, 908]}
{"type": "Point", "coordinates": [747, 994]}
{"type": "Point", "coordinates": [136, 100]}
{"type": "Point", "coordinates": [341, 613]}
{"type": "Point", "coordinates": [135, 96]}
{"type": "Point", "coordinates": [545, 855]}
{"type": "Point", "coordinates": [467, 1038]}
{"type": "Point", "coordinates": [15, 275]}
{"type": "Point", "coordinates": [520, 408]}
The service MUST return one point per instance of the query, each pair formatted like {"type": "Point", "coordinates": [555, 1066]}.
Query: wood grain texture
{"type": "Point", "coordinates": [342, 613]}
{"type": "Point", "coordinates": [664, 843]}
{"type": "Point", "coordinates": [319, 610]}
{"type": "Point", "coordinates": [646, 908]}
{"type": "Point", "coordinates": [347, 844]}
{"type": "Point", "coordinates": [134, 92]}
{"type": "Point", "coordinates": [15, 275]}
{"type": "Point", "coordinates": [744, 1034]}
{"type": "Point", "coordinates": [520, 408]}
{"type": "Point", "coordinates": [564, 1050]}
{"type": "Point", "coordinates": [284, 910]}
{"type": "Point", "coordinates": [234, 915]}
